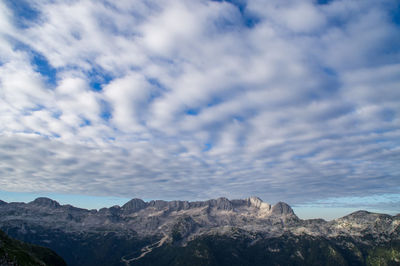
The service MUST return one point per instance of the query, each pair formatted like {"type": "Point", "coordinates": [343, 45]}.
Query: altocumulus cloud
{"type": "Point", "coordinates": [288, 100]}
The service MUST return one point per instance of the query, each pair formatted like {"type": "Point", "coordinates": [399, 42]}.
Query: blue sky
{"type": "Point", "coordinates": [294, 101]}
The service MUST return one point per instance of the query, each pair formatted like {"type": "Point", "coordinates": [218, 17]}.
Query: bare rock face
{"type": "Point", "coordinates": [183, 227]}
{"type": "Point", "coordinates": [133, 205]}
{"type": "Point", "coordinates": [256, 202]}
{"type": "Point", "coordinates": [178, 205]}
{"type": "Point", "coordinates": [220, 204]}
{"type": "Point", "coordinates": [282, 208]}
{"type": "Point", "coordinates": [45, 202]}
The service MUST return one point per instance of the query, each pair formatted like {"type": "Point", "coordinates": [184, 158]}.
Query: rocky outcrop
{"type": "Point", "coordinates": [45, 202]}
{"type": "Point", "coordinates": [281, 208]}
{"type": "Point", "coordinates": [183, 227]}
{"type": "Point", "coordinates": [133, 205]}
{"type": "Point", "coordinates": [220, 204]}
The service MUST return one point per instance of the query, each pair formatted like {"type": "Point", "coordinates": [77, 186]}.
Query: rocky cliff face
{"type": "Point", "coordinates": [159, 223]}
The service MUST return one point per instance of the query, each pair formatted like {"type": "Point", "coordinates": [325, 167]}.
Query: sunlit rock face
{"type": "Point", "coordinates": [258, 203]}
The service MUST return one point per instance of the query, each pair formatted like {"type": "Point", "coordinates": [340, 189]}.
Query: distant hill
{"type": "Point", "coordinates": [14, 252]}
{"type": "Point", "coordinates": [213, 232]}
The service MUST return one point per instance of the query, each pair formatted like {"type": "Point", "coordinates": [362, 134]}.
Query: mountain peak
{"type": "Point", "coordinates": [255, 199]}
{"type": "Point", "coordinates": [258, 203]}
{"type": "Point", "coordinates": [3, 202]}
{"type": "Point", "coordinates": [134, 205]}
{"type": "Point", "coordinates": [360, 213]}
{"type": "Point", "coordinates": [45, 202]}
{"type": "Point", "coordinates": [282, 208]}
{"type": "Point", "coordinates": [220, 204]}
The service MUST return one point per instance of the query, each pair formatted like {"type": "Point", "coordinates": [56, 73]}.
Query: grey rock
{"type": "Point", "coordinates": [183, 227]}
{"type": "Point", "coordinates": [178, 205]}
{"type": "Point", "coordinates": [45, 202]}
{"type": "Point", "coordinates": [158, 204]}
{"type": "Point", "coordinates": [282, 208]}
{"type": "Point", "coordinates": [220, 204]}
{"type": "Point", "coordinates": [133, 205]}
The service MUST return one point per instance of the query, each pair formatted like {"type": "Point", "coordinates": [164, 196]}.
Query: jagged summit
{"type": "Point", "coordinates": [136, 205]}
{"type": "Point", "coordinates": [252, 206]}
{"type": "Point", "coordinates": [255, 199]}
{"type": "Point", "coordinates": [159, 216]}
{"type": "Point", "coordinates": [258, 203]}
{"type": "Point", "coordinates": [45, 202]}
{"type": "Point", "coordinates": [221, 203]}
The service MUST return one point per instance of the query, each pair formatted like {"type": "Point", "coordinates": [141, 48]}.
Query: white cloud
{"type": "Point", "coordinates": [6, 21]}
{"type": "Point", "coordinates": [293, 16]}
{"type": "Point", "coordinates": [186, 100]}
{"type": "Point", "coordinates": [165, 31]}
{"type": "Point", "coordinates": [128, 97]}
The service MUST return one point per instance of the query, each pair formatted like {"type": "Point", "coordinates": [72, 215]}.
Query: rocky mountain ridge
{"type": "Point", "coordinates": [149, 218]}
{"type": "Point", "coordinates": [159, 224]}
{"type": "Point", "coordinates": [158, 217]}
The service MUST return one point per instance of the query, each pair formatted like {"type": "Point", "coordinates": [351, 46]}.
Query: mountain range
{"type": "Point", "coordinates": [213, 232]}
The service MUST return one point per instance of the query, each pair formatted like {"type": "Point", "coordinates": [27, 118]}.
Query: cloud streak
{"type": "Point", "coordinates": [288, 100]}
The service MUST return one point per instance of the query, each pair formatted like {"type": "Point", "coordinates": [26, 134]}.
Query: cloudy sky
{"type": "Point", "coordinates": [292, 100]}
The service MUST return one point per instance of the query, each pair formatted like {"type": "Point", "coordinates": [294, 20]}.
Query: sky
{"type": "Point", "coordinates": [289, 100]}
